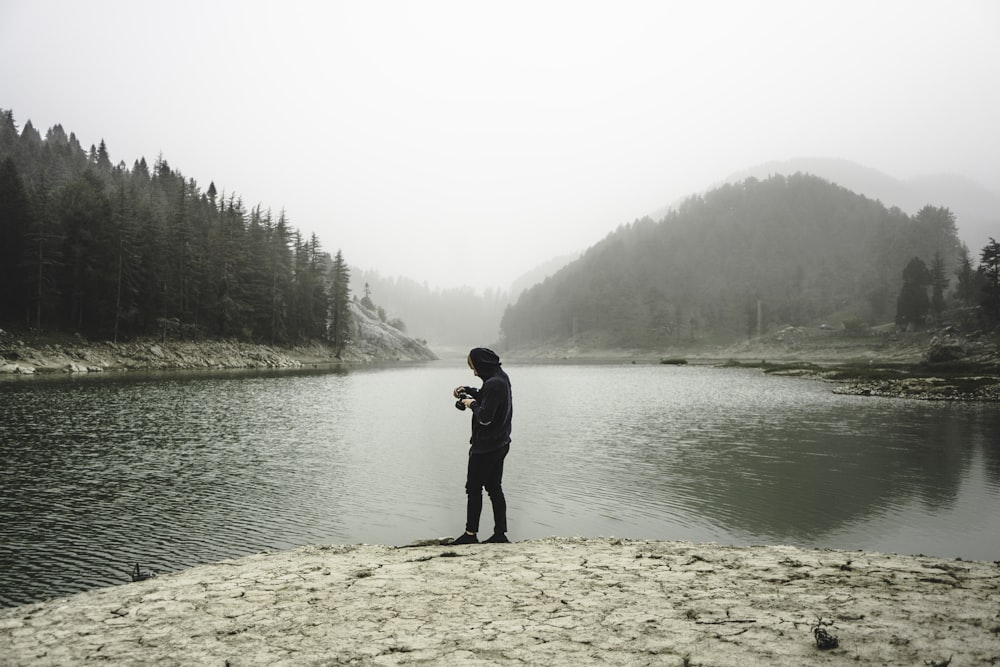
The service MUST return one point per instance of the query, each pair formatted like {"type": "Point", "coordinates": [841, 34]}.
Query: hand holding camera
{"type": "Point", "coordinates": [462, 396]}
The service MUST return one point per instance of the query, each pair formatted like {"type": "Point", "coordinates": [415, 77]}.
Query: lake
{"type": "Point", "coordinates": [170, 470]}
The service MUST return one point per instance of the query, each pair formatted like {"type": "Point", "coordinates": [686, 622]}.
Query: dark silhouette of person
{"type": "Point", "coordinates": [492, 409]}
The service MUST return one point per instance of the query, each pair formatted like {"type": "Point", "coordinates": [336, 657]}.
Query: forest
{"type": "Point", "coordinates": [115, 252]}
{"type": "Point", "coordinates": [746, 257]}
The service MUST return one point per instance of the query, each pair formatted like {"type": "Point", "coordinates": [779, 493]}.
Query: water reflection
{"type": "Point", "coordinates": [174, 470]}
{"type": "Point", "coordinates": [730, 459]}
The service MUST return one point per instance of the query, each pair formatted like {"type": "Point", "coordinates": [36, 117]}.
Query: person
{"type": "Point", "coordinates": [492, 409]}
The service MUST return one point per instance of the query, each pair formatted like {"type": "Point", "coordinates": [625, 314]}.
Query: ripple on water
{"type": "Point", "coordinates": [175, 470]}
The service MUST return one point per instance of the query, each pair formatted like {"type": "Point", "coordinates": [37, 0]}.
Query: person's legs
{"type": "Point", "coordinates": [485, 470]}
{"type": "Point", "coordinates": [475, 478]}
{"type": "Point", "coordinates": [494, 487]}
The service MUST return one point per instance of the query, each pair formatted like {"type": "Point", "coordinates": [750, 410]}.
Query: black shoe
{"type": "Point", "coordinates": [465, 538]}
{"type": "Point", "coordinates": [497, 538]}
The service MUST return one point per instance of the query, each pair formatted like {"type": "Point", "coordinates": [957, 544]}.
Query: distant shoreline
{"type": "Point", "coordinates": [924, 365]}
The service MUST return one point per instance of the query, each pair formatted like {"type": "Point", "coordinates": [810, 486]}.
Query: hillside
{"type": "Point", "coordinates": [740, 261]}
{"type": "Point", "coordinates": [976, 208]}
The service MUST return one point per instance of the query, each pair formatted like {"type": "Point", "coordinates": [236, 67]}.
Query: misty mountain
{"type": "Point", "coordinates": [976, 208]}
{"type": "Point", "coordinates": [458, 316]}
{"type": "Point", "coordinates": [540, 273]}
{"type": "Point", "coordinates": [796, 250]}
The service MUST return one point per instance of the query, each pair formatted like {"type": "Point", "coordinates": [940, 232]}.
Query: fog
{"type": "Point", "coordinates": [461, 143]}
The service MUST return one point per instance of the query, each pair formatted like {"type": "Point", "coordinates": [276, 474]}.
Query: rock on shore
{"type": "Point", "coordinates": [557, 601]}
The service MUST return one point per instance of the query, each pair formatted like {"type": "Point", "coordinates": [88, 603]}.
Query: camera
{"type": "Point", "coordinates": [461, 397]}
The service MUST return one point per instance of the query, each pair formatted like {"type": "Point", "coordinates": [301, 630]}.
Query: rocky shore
{"type": "Point", "coordinates": [942, 364]}
{"type": "Point", "coordinates": [372, 341]}
{"type": "Point", "coordinates": [556, 601]}
{"type": "Point", "coordinates": [949, 367]}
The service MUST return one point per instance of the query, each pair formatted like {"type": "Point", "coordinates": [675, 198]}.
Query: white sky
{"type": "Point", "coordinates": [467, 142]}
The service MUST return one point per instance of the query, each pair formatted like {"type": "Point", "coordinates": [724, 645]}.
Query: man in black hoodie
{"type": "Point", "coordinates": [492, 407]}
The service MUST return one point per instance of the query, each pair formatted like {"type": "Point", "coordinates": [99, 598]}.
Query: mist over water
{"type": "Point", "coordinates": [172, 470]}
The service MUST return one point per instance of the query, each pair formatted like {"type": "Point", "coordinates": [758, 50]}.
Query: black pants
{"type": "Point", "coordinates": [486, 471]}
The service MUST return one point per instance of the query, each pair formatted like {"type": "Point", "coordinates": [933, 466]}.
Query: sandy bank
{"type": "Point", "coordinates": [551, 602]}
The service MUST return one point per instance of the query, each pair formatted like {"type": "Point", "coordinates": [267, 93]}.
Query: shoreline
{"type": "Point", "coordinates": [556, 601]}
{"type": "Point", "coordinates": [909, 370]}
{"type": "Point", "coordinates": [80, 356]}
{"type": "Point", "coordinates": [935, 366]}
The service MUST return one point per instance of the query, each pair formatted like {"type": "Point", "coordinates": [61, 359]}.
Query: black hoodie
{"type": "Point", "coordinates": [494, 406]}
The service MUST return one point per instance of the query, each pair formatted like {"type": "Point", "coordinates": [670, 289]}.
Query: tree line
{"type": "Point", "coordinates": [730, 264]}
{"type": "Point", "coordinates": [924, 296]}
{"type": "Point", "coordinates": [115, 252]}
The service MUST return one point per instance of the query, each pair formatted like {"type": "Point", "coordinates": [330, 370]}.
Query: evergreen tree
{"type": "Point", "coordinates": [966, 290]}
{"type": "Point", "coordinates": [340, 314]}
{"type": "Point", "coordinates": [103, 159]}
{"type": "Point", "coordinates": [366, 300]}
{"type": "Point", "coordinates": [939, 283]}
{"type": "Point", "coordinates": [913, 304]}
{"type": "Point", "coordinates": [229, 253]}
{"type": "Point", "coordinates": [43, 259]}
{"type": "Point", "coordinates": [85, 214]}
{"type": "Point", "coordinates": [8, 133]}
{"type": "Point", "coordinates": [123, 280]}
{"type": "Point", "coordinates": [312, 292]}
{"type": "Point", "coordinates": [180, 244]}
{"type": "Point", "coordinates": [257, 275]}
{"type": "Point", "coordinates": [990, 267]}
{"type": "Point", "coordinates": [297, 307]}
{"type": "Point", "coordinates": [280, 267]}
{"type": "Point", "coordinates": [15, 222]}
{"type": "Point", "coordinates": [936, 232]}
{"type": "Point", "coordinates": [140, 169]}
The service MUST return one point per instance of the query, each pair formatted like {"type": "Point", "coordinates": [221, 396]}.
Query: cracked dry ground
{"type": "Point", "coordinates": [554, 602]}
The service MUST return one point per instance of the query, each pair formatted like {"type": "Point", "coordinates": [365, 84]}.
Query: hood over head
{"type": "Point", "coordinates": [485, 361]}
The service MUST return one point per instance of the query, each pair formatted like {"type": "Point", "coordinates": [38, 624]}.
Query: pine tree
{"type": "Point", "coordinates": [990, 268]}
{"type": "Point", "coordinates": [280, 267]}
{"type": "Point", "coordinates": [312, 290]}
{"type": "Point", "coordinates": [8, 133]}
{"type": "Point", "coordinates": [340, 314]}
{"type": "Point", "coordinates": [85, 215]}
{"type": "Point", "coordinates": [15, 221]}
{"type": "Point", "coordinates": [123, 278]}
{"type": "Point", "coordinates": [913, 304]}
{"type": "Point", "coordinates": [229, 255]}
{"type": "Point", "coordinates": [103, 159]}
{"type": "Point", "coordinates": [936, 231]}
{"type": "Point", "coordinates": [43, 259]}
{"type": "Point", "coordinates": [939, 283]}
{"type": "Point", "coordinates": [966, 290]}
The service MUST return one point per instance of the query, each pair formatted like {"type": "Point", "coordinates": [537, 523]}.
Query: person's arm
{"type": "Point", "coordinates": [486, 404]}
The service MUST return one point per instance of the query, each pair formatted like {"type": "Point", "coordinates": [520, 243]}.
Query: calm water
{"type": "Point", "coordinates": [101, 472]}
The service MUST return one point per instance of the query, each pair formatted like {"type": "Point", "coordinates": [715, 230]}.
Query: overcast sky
{"type": "Point", "coordinates": [467, 142]}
